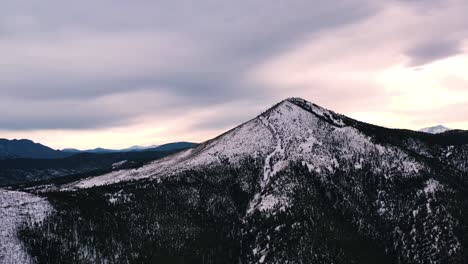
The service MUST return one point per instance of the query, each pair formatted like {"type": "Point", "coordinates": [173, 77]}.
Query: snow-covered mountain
{"type": "Point", "coordinates": [293, 130]}
{"type": "Point", "coordinates": [297, 184]}
{"type": "Point", "coordinates": [435, 129]}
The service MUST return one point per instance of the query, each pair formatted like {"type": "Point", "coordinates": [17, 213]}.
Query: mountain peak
{"type": "Point", "coordinates": [435, 129]}
{"type": "Point", "coordinates": [323, 113]}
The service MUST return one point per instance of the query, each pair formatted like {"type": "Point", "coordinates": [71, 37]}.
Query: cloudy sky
{"type": "Point", "coordinates": [115, 73]}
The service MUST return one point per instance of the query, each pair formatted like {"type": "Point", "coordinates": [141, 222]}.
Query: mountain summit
{"type": "Point", "coordinates": [296, 184]}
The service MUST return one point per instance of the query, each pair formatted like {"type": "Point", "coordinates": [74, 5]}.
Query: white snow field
{"type": "Point", "coordinates": [17, 208]}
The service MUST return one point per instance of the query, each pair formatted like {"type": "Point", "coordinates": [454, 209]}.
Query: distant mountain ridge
{"type": "Point", "coordinates": [139, 148]}
{"type": "Point", "coordinates": [25, 148]}
{"type": "Point", "coordinates": [136, 148]}
{"type": "Point", "coordinates": [435, 129]}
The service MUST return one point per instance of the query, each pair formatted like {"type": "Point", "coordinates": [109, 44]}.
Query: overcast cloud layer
{"type": "Point", "coordinates": [117, 73]}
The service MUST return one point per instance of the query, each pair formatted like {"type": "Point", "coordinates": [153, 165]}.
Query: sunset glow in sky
{"type": "Point", "coordinates": [113, 74]}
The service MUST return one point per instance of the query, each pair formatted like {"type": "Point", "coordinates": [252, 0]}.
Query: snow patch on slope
{"type": "Point", "coordinates": [118, 164]}
{"type": "Point", "coordinates": [432, 186]}
{"type": "Point", "coordinates": [17, 208]}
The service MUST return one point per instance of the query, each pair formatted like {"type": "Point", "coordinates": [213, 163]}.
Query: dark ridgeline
{"type": "Point", "coordinates": [373, 212]}
{"type": "Point", "coordinates": [27, 149]}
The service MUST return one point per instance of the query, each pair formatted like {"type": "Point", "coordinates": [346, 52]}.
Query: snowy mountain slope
{"type": "Point", "coordinates": [292, 130]}
{"type": "Point", "coordinates": [435, 129]}
{"type": "Point", "coordinates": [17, 208]}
